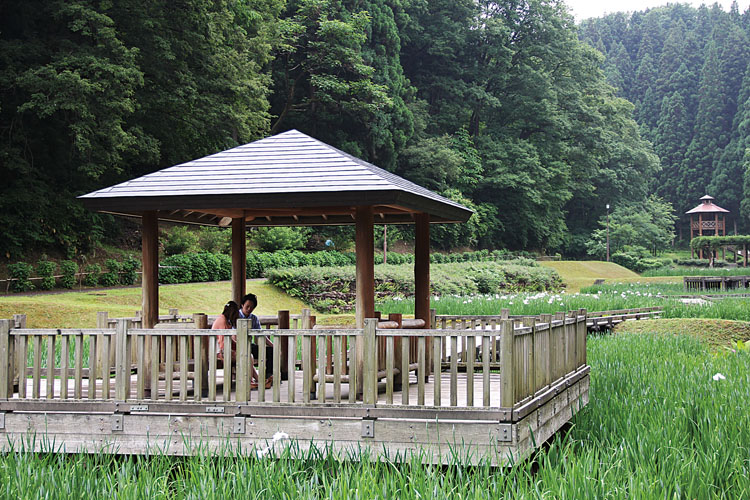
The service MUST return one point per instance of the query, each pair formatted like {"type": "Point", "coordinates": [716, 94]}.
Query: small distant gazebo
{"type": "Point", "coordinates": [289, 179]}
{"type": "Point", "coordinates": [707, 219]}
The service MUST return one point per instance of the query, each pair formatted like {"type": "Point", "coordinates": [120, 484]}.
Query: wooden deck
{"type": "Point", "coordinates": [506, 390]}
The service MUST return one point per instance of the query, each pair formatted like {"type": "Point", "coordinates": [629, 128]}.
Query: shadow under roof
{"type": "Point", "coordinates": [289, 179]}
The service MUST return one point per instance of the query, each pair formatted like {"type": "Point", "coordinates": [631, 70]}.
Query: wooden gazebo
{"type": "Point", "coordinates": [707, 219]}
{"type": "Point", "coordinates": [289, 179]}
{"type": "Point", "coordinates": [500, 385]}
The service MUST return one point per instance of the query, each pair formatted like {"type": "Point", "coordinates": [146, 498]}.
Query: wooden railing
{"type": "Point", "coordinates": [506, 363]}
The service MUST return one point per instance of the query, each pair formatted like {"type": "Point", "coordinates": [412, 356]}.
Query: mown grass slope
{"type": "Point", "coordinates": [78, 309]}
{"type": "Point", "coordinates": [577, 274]}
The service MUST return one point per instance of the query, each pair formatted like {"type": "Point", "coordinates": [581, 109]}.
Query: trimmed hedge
{"type": "Point", "coordinates": [332, 289]}
{"type": "Point", "coordinates": [195, 267]}
{"type": "Point", "coordinates": [714, 242]}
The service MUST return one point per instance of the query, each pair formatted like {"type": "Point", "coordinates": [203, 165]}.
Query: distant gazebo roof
{"type": "Point", "coordinates": [289, 179]}
{"type": "Point", "coordinates": [708, 206]}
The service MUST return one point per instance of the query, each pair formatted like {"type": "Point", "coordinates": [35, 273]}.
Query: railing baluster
{"type": "Point", "coordinates": [292, 367]}
{"type": "Point", "coordinates": [21, 350]}
{"type": "Point", "coordinates": [140, 389]}
{"type": "Point", "coordinates": [471, 352]}
{"type": "Point", "coordinates": [353, 372]}
{"type": "Point", "coordinates": [36, 370]}
{"type": "Point", "coordinates": [50, 366]}
{"type": "Point", "coordinates": [198, 368]}
{"type": "Point", "coordinates": [454, 370]}
{"type": "Point", "coordinates": [405, 370]}
{"type": "Point", "coordinates": [438, 346]}
{"type": "Point", "coordinates": [183, 367]}
{"type": "Point", "coordinates": [507, 396]}
{"type": "Point", "coordinates": [64, 362]}
{"type": "Point", "coordinates": [228, 365]}
{"type": "Point", "coordinates": [78, 369]}
{"type": "Point", "coordinates": [154, 366]}
{"type": "Point", "coordinates": [306, 367]}
{"type": "Point", "coordinates": [244, 370]}
{"type": "Point", "coordinates": [261, 340]}
{"type": "Point", "coordinates": [322, 367]}
{"type": "Point", "coordinates": [389, 360]}
{"type": "Point", "coordinates": [486, 356]}
{"type": "Point", "coordinates": [93, 364]}
{"type": "Point", "coordinates": [212, 368]}
{"type": "Point", "coordinates": [421, 369]}
{"type": "Point", "coordinates": [106, 341]}
{"type": "Point", "coordinates": [337, 365]}
{"type": "Point", "coordinates": [277, 368]}
{"type": "Point", "coordinates": [168, 366]}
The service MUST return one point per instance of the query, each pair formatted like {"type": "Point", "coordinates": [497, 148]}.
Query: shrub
{"type": "Point", "coordinates": [68, 268]}
{"type": "Point", "coordinates": [93, 271]}
{"type": "Point", "coordinates": [21, 271]}
{"type": "Point", "coordinates": [129, 268]}
{"type": "Point", "coordinates": [333, 288]}
{"type": "Point", "coordinates": [179, 240]}
{"type": "Point", "coordinates": [280, 238]}
{"type": "Point", "coordinates": [112, 276]}
{"type": "Point", "coordinates": [214, 240]}
{"type": "Point", "coordinates": [45, 269]}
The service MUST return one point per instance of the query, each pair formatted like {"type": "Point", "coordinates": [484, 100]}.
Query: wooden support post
{"type": "Point", "coordinates": [284, 347]}
{"type": "Point", "coordinates": [365, 279]}
{"type": "Point", "coordinates": [700, 233]}
{"type": "Point", "coordinates": [422, 274]}
{"type": "Point", "coordinates": [150, 264]}
{"type": "Point", "coordinates": [122, 361]}
{"type": "Point", "coordinates": [6, 378]}
{"type": "Point", "coordinates": [239, 259]}
{"type": "Point", "coordinates": [201, 323]}
{"type": "Point", "coordinates": [507, 367]}
{"type": "Point", "coordinates": [244, 370]}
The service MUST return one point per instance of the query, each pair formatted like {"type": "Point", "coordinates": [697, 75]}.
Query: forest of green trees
{"type": "Point", "coordinates": [686, 71]}
{"type": "Point", "coordinates": [508, 107]}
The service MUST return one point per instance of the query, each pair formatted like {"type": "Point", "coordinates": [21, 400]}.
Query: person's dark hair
{"type": "Point", "coordinates": [252, 298]}
{"type": "Point", "coordinates": [231, 312]}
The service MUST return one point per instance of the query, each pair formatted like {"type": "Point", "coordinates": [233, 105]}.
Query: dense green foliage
{"type": "Point", "coordinates": [495, 104]}
{"type": "Point", "coordinates": [333, 289]}
{"type": "Point", "coordinates": [686, 70]}
{"type": "Point", "coordinates": [650, 430]}
{"type": "Point", "coordinates": [714, 242]}
{"type": "Point", "coordinates": [648, 224]}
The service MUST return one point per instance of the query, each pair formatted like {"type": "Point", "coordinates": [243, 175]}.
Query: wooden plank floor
{"type": "Point", "coordinates": [413, 389]}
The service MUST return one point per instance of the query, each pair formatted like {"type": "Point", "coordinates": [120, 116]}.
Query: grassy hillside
{"type": "Point", "coordinates": [580, 273]}
{"type": "Point", "coordinates": [78, 309]}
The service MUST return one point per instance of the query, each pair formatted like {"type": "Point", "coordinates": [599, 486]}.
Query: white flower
{"type": "Point", "coordinates": [719, 376]}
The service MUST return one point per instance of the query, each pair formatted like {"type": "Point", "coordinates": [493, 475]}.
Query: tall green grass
{"type": "Point", "coordinates": [596, 298]}
{"type": "Point", "coordinates": [657, 426]}
{"type": "Point", "coordinates": [696, 271]}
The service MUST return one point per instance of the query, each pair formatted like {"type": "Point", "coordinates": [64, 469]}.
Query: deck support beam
{"type": "Point", "coordinates": [365, 279]}
{"type": "Point", "coordinates": [239, 259]}
{"type": "Point", "coordinates": [422, 278]}
{"type": "Point", "coordinates": [150, 263]}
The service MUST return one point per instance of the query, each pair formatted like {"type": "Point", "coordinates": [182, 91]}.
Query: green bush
{"type": "Point", "coordinates": [129, 268]}
{"type": "Point", "coordinates": [112, 276]}
{"type": "Point", "coordinates": [68, 268]}
{"type": "Point", "coordinates": [215, 239]}
{"type": "Point", "coordinates": [179, 240]}
{"type": "Point", "coordinates": [280, 238]}
{"type": "Point", "coordinates": [701, 263]}
{"type": "Point", "coordinates": [333, 288]}
{"type": "Point", "coordinates": [21, 271]}
{"type": "Point", "coordinates": [93, 272]}
{"type": "Point", "coordinates": [45, 269]}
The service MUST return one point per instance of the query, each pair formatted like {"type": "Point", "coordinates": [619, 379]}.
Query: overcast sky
{"type": "Point", "coordinates": [583, 9]}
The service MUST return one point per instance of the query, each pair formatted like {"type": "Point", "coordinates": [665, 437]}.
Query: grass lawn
{"type": "Point", "coordinates": [78, 309]}
{"type": "Point", "coordinates": [578, 274]}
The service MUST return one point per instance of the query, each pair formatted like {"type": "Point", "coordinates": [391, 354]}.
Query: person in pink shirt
{"type": "Point", "coordinates": [227, 320]}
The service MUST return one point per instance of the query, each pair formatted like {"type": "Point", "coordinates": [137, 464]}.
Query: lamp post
{"type": "Point", "coordinates": [607, 232]}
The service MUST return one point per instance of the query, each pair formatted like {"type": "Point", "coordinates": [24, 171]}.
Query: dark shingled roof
{"type": "Point", "coordinates": [286, 179]}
